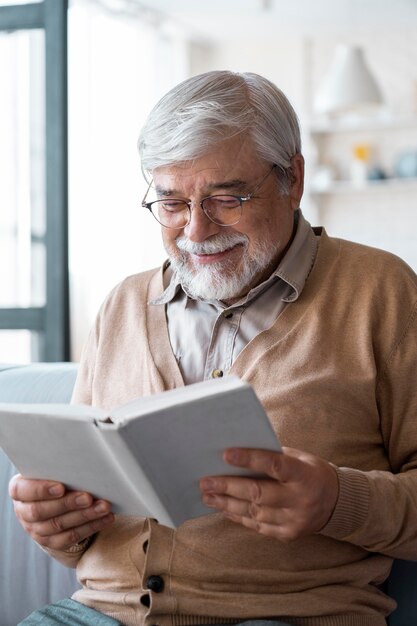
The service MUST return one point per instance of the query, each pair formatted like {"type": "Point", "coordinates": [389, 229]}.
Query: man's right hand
{"type": "Point", "coordinates": [55, 518]}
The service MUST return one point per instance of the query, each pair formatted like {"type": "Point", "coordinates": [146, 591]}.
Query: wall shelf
{"type": "Point", "coordinates": [370, 186]}
{"type": "Point", "coordinates": [334, 169]}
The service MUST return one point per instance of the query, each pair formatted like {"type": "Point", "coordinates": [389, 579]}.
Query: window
{"type": "Point", "coordinates": [33, 182]}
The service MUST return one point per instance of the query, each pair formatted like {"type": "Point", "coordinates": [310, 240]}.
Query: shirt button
{"type": "Point", "coordinates": [155, 583]}
{"type": "Point", "coordinates": [217, 374]}
{"type": "Point", "coordinates": [228, 314]}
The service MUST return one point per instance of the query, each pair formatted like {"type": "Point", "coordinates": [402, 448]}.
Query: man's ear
{"type": "Point", "coordinates": [297, 180]}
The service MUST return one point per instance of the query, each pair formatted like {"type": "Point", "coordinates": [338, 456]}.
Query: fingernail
{"type": "Point", "coordinates": [56, 490]}
{"type": "Point", "coordinates": [233, 456]}
{"type": "Point", "coordinates": [207, 484]}
{"type": "Point", "coordinates": [209, 499]}
{"type": "Point", "coordinates": [82, 500]}
{"type": "Point", "coordinates": [100, 507]}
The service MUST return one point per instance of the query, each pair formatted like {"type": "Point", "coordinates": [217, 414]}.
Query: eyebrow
{"type": "Point", "coordinates": [236, 184]}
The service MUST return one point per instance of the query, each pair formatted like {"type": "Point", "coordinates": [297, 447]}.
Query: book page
{"type": "Point", "coordinates": [130, 464]}
{"type": "Point", "coordinates": [81, 412]}
{"type": "Point", "coordinates": [63, 443]}
{"type": "Point", "coordinates": [179, 445]}
{"type": "Point", "coordinates": [167, 399]}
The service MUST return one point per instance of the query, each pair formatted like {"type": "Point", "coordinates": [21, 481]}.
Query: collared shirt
{"type": "Point", "coordinates": [207, 335]}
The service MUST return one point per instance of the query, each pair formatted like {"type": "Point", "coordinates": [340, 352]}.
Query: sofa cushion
{"type": "Point", "coordinates": [39, 382]}
{"type": "Point", "coordinates": [29, 578]}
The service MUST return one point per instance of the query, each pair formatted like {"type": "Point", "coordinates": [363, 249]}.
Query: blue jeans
{"type": "Point", "coordinates": [71, 613]}
{"type": "Point", "coordinates": [68, 613]}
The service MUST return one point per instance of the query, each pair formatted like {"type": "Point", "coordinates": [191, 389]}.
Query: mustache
{"type": "Point", "coordinates": [217, 243]}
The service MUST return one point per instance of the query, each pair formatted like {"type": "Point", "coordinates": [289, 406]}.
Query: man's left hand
{"type": "Point", "coordinates": [295, 498]}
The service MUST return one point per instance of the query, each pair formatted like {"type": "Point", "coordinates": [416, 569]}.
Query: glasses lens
{"type": "Point", "coordinates": [171, 213]}
{"type": "Point", "coordinates": [223, 210]}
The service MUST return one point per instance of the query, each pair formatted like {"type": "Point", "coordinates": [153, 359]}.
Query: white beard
{"type": "Point", "coordinates": [219, 281]}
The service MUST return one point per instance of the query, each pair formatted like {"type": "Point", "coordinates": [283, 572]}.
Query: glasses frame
{"type": "Point", "coordinates": [189, 203]}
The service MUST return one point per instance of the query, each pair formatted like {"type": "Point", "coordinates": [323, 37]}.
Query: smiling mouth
{"type": "Point", "coordinates": [214, 256]}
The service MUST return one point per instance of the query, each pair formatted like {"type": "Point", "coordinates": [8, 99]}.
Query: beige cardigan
{"type": "Point", "coordinates": [336, 374]}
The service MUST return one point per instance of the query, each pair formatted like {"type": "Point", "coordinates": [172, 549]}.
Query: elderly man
{"type": "Point", "coordinates": [326, 332]}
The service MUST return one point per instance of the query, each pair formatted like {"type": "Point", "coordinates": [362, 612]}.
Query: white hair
{"type": "Point", "coordinates": [203, 110]}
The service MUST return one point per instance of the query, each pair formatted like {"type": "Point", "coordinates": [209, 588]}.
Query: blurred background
{"type": "Point", "coordinates": [77, 80]}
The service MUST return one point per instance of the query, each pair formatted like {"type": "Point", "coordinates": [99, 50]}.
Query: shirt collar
{"type": "Point", "coordinates": [293, 269]}
{"type": "Point", "coordinates": [296, 265]}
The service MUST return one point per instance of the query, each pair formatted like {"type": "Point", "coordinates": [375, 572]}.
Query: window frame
{"type": "Point", "coordinates": [52, 320]}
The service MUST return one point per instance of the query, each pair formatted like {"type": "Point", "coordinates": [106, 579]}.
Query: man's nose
{"type": "Point", "coordinates": [200, 227]}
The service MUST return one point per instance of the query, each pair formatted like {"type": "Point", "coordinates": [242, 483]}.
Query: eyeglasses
{"type": "Point", "coordinates": [224, 210]}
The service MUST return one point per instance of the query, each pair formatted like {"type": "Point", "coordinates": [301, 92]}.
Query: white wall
{"type": "Point", "coordinates": [281, 61]}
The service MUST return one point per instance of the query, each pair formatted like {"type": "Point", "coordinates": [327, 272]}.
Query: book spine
{"type": "Point", "coordinates": [144, 494]}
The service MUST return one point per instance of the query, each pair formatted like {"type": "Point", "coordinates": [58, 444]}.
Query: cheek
{"type": "Point", "coordinates": [279, 223]}
{"type": "Point", "coordinates": [268, 220]}
{"type": "Point", "coordinates": [261, 232]}
{"type": "Point", "coordinates": [273, 229]}
{"type": "Point", "coordinates": [168, 238]}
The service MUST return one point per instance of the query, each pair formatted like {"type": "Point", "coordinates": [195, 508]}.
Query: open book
{"type": "Point", "coordinates": [147, 456]}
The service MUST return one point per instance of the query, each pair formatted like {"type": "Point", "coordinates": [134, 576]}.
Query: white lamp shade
{"type": "Point", "coordinates": [349, 83]}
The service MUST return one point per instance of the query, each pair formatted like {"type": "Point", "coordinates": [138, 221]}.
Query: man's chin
{"type": "Point", "coordinates": [203, 284]}
{"type": "Point", "coordinates": [224, 280]}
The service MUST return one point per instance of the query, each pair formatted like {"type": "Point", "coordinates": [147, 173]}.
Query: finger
{"type": "Point", "coordinates": [72, 536]}
{"type": "Point", "coordinates": [282, 532]}
{"type": "Point", "coordinates": [257, 491]}
{"type": "Point", "coordinates": [30, 490]}
{"type": "Point", "coordinates": [292, 521]}
{"type": "Point", "coordinates": [45, 509]}
{"type": "Point", "coordinates": [297, 454]}
{"type": "Point", "coordinates": [34, 512]}
{"type": "Point", "coordinates": [246, 508]}
{"type": "Point", "coordinates": [74, 519]}
{"type": "Point", "coordinates": [277, 465]}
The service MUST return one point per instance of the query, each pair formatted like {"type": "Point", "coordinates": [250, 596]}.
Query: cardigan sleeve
{"type": "Point", "coordinates": [377, 510]}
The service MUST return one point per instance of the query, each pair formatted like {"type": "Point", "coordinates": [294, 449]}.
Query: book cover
{"type": "Point", "coordinates": [147, 456]}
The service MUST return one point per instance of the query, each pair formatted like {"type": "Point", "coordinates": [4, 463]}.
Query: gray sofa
{"type": "Point", "coordinates": [29, 578]}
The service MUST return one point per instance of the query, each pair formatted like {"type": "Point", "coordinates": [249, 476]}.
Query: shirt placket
{"type": "Point", "coordinates": [220, 352]}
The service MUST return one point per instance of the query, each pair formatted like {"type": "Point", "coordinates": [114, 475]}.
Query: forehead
{"type": "Point", "coordinates": [228, 160]}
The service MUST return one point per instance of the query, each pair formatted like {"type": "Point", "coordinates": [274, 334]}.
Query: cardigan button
{"type": "Point", "coordinates": [155, 583]}
{"type": "Point", "coordinates": [145, 600]}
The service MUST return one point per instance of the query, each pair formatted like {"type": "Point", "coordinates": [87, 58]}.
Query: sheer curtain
{"type": "Point", "coordinates": [119, 67]}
